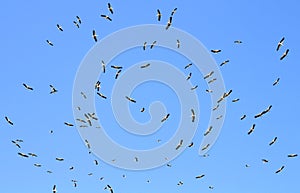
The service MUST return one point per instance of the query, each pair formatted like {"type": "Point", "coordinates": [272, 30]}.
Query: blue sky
{"type": "Point", "coordinates": [254, 66]}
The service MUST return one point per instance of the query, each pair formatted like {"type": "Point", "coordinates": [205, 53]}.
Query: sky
{"type": "Point", "coordinates": [253, 67]}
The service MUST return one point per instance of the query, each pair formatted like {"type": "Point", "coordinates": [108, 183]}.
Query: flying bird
{"type": "Point", "coordinates": [130, 99]}
{"type": "Point", "coordinates": [54, 189]}
{"type": "Point", "coordinates": [235, 100]}
{"type": "Point", "coordinates": [78, 19]}
{"type": "Point", "coordinates": [106, 17]}
{"type": "Point", "coordinates": [145, 65]}
{"type": "Point", "coordinates": [37, 165]}
{"type": "Point", "coordinates": [216, 107]}
{"type": "Point", "coordinates": [110, 188]}
{"type": "Point", "coordinates": [53, 90]}
{"type": "Point", "coordinates": [83, 95]}
{"type": "Point", "coordinates": [208, 130]}
{"type": "Point", "coordinates": [279, 170]}
{"type": "Point", "coordinates": [101, 95]}
{"type": "Point", "coordinates": [292, 155]}
{"type": "Point", "coordinates": [237, 41]}
{"type": "Point", "coordinates": [27, 86]}
{"type": "Point", "coordinates": [284, 54]}
{"type": "Point", "coordinates": [144, 45]}
{"type": "Point", "coordinates": [59, 159]}
{"type": "Point", "coordinates": [264, 160]}
{"type": "Point", "coordinates": [280, 43]}
{"type": "Point", "coordinates": [118, 73]}
{"type": "Point", "coordinates": [76, 24]}
{"type": "Point", "coordinates": [189, 76]}
{"type": "Point", "coordinates": [8, 121]}
{"type": "Point", "coordinates": [193, 115]}
{"type": "Point", "coordinates": [165, 117]}
{"type": "Point", "coordinates": [187, 66]}
{"type": "Point", "coordinates": [92, 115]}
{"type": "Point", "coordinates": [158, 15]}
{"type": "Point", "coordinates": [209, 91]}
{"type": "Point", "coordinates": [103, 66]}
{"type": "Point", "coordinates": [98, 85]}
{"type": "Point", "coordinates": [110, 8]}
{"type": "Point", "coordinates": [212, 80]}
{"type": "Point", "coordinates": [178, 43]}
{"type": "Point", "coordinates": [200, 176]}
{"type": "Point", "coordinates": [116, 67]}
{"type": "Point", "coordinates": [276, 81]}
{"type": "Point", "coordinates": [263, 112]}
{"type": "Point", "coordinates": [169, 23]}
{"type": "Point", "coordinates": [225, 62]}
{"type": "Point", "coordinates": [273, 141]}
{"type": "Point", "coordinates": [14, 142]}
{"type": "Point", "coordinates": [32, 154]}
{"type": "Point", "coordinates": [87, 144]}
{"type": "Point", "coordinates": [49, 42]}
{"type": "Point", "coordinates": [191, 144]}
{"type": "Point", "coordinates": [59, 27]}
{"type": "Point", "coordinates": [23, 155]}
{"type": "Point", "coordinates": [209, 74]}
{"type": "Point", "coordinates": [205, 147]}
{"type": "Point", "coordinates": [193, 88]}
{"type": "Point", "coordinates": [174, 11]}
{"type": "Point", "coordinates": [153, 44]}
{"type": "Point", "coordinates": [179, 183]}
{"type": "Point", "coordinates": [96, 162]}
{"type": "Point", "coordinates": [136, 159]}
{"type": "Point", "coordinates": [215, 51]}
{"type": "Point", "coordinates": [219, 117]}
{"type": "Point", "coordinates": [142, 110]}
{"type": "Point", "coordinates": [95, 35]}
{"type": "Point", "coordinates": [226, 94]}
{"type": "Point", "coordinates": [68, 124]}
{"type": "Point", "coordinates": [243, 117]}
{"type": "Point", "coordinates": [251, 129]}
{"type": "Point", "coordinates": [179, 144]}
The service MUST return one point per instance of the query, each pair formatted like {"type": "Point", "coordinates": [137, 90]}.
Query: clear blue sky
{"type": "Point", "coordinates": [254, 66]}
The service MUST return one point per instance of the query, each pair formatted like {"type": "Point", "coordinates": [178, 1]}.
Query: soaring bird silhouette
{"type": "Point", "coordinates": [59, 27]}
{"type": "Point", "coordinates": [284, 54]}
{"type": "Point", "coordinates": [273, 141]}
{"type": "Point", "coordinates": [169, 23]}
{"type": "Point", "coordinates": [110, 8]}
{"type": "Point", "coordinates": [280, 169]}
{"type": "Point", "coordinates": [27, 86]}
{"type": "Point", "coordinates": [158, 15]}
{"type": "Point", "coordinates": [263, 112]}
{"type": "Point", "coordinates": [78, 19]}
{"type": "Point", "coordinates": [8, 120]}
{"type": "Point", "coordinates": [280, 43]}
{"type": "Point", "coordinates": [95, 35]}
{"type": "Point", "coordinates": [251, 129]}
{"type": "Point", "coordinates": [106, 17]}
{"type": "Point", "coordinates": [49, 42]}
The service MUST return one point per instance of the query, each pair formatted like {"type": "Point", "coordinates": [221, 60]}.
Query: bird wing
{"type": "Point", "coordinates": [158, 15]}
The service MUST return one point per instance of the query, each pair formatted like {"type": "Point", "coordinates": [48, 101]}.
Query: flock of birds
{"type": "Point", "coordinates": [88, 117]}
